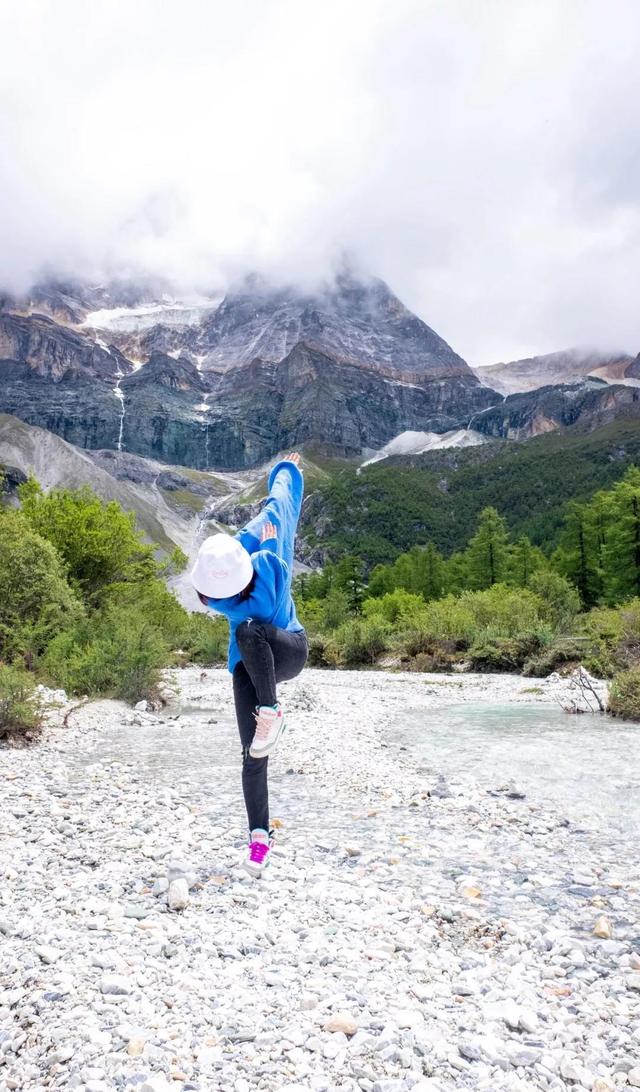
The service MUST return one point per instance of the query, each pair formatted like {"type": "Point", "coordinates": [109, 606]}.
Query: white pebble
{"type": "Point", "coordinates": [178, 894]}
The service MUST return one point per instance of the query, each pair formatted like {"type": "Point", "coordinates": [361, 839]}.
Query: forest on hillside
{"type": "Point", "coordinates": [382, 510]}
{"type": "Point", "coordinates": [84, 603]}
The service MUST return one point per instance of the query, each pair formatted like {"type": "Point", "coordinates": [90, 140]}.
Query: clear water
{"type": "Point", "coordinates": [202, 762]}
{"type": "Point", "coordinates": [588, 766]}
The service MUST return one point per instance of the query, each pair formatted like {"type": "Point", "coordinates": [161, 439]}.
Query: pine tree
{"type": "Point", "coordinates": [350, 579]}
{"type": "Point", "coordinates": [525, 559]}
{"type": "Point", "coordinates": [380, 581]}
{"type": "Point", "coordinates": [432, 583]}
{"type": "Point", "coordinates": [487, 554]}
{"type": "Point", "coordinates": [621, 550]}
{"type": "Point", "coordinates": [577, 557]}
{"type": "Point", "coordinates": [455, 574]}
{"type": "Point", "coordinates": [404, 575]}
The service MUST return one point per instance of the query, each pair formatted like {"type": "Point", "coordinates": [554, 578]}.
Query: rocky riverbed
{"type": "Point", "coordinates": [416, 929]}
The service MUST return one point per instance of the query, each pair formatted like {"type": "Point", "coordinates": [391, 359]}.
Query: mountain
{"type": "Point", "coordinates": [379, 511]}
{"type": "Point", "coordinates": [228, 382]}
{"type": "Point", "coordinates": [71, 301]}
{"type": "Point", "coordinates": [167, 500]}
{"type": "Point", "coordinates": [567, 366]}
{"type": "Point", "coordinates": [590, 401]}
{"type": "Point", "coordinates": [36, 345]}
{"type": "Point", "coordinates": [353, 321]}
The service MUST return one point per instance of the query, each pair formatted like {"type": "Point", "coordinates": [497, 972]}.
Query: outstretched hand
{"type": "Point", "coordinates": [268, 531]}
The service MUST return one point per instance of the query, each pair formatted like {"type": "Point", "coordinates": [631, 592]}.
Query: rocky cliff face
{"type": "Point", "coordinates": [568, 366]}
{"type": "Point", "coordinates": [228, 384]}
{"type": "Point", "coordinates": [52, 351]}
{"type": "Point", "coordinates": [308, 396]}
{"type": "Point", "coordinates": [591, 402]}
{"type": "Point", "coordinates": [353, 322]}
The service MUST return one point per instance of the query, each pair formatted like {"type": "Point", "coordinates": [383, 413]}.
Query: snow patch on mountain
{"type": "Point", "coordinates": [416, 443]}
{"type": "Point", "coordinates": [142, 317]}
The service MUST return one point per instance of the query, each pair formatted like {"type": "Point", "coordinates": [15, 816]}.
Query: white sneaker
{"type": "Point", "coordinates": [258, 852]}
{"type": "Point", "coordinates": [269, 726]}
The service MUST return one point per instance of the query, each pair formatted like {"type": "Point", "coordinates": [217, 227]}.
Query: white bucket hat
{"type": "Point", "coordinates": [223, 567]}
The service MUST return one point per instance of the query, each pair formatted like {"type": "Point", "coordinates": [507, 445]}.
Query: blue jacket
{"type": "Point", "coordinates": [272, 560]}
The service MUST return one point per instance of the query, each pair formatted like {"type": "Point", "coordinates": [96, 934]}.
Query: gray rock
{"type": "Point", "coordinates": [115, 984]}
{"type": "Point", "coordinates": [470, 1049]}
{"type": "Point", "coordinates": [521, 1055]}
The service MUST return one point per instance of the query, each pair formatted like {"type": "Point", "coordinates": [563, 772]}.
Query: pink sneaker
{"type": "Point", "coordinates": [258, 852]}
{"type": "Point", "coordinates": [269, 726]}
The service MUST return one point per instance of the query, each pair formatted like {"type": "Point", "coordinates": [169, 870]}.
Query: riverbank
{"type": "Point", "coordinates": [444, 932]}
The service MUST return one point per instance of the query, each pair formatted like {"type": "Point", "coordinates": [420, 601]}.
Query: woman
{"type": "Point", "coordinates": [248, 579]}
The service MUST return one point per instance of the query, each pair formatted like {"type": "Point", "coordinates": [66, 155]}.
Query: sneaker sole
{"type": "Point", "coordinates": [255, 873]}
{"type": "Point", "coordinates": [270, 749]}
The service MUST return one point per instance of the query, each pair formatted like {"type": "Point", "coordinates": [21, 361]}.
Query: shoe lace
{"type": "Point", "coordinates": [264, 723]}
{"type": "Point", "coordinates": [258, 851]}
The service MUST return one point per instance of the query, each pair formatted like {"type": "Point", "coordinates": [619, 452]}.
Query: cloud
{"type": "Point", "coordinates": [484, 158]}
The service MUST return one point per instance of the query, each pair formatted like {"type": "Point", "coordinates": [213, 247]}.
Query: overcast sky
{"type": "Point", "coordinates": [482, 156]}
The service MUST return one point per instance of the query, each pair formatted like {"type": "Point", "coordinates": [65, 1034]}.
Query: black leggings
{"type": "Point", "coordinates": [269, 656]}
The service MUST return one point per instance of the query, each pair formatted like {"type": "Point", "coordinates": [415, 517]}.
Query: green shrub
{"type": "Point", "coordinates": [19, 710]}
{"type": "Point", "coordinates": [176, 562]}
{"type": "Point", "coordinates": [559, 599]}
{"type": "Point", "coordinates": [447, 619]}
{"type": "Point", "coordinates": [501, 653]}
{"type": "Point", "coordinates": [322, 615]}
{"type": "Point", "coordinates": [152, 598]}
{"type": "Point", "coordinates": [614, 634]}
{"type": "Point", "coordinates": [624, 697]}
{"type": "Point", "coordinates": [205, 639]}
{"type": "Point", "coordinates": [503, 610]}
{"type": "Point", "coordinates": [319, 656]}
{"type": "Point", "coordinates": [117, 653]}
{"type": "Point", "coordinates": [560, 652]}
{"type": "Point", "coordinates": [398, 606]}
{"type": "Point", "coordinates": [36, 601]}
{"type": "Point", "coordinates": [359, 641]}
{"type": "Point", "coordinates": [443, 657]}
{"type": "Point", "coordinates": [97, 540]}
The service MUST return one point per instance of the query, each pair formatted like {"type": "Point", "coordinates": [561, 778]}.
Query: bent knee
{"type": "Point", "coordinates": [249, 631]}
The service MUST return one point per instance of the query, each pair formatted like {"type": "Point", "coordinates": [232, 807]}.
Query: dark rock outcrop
{"type": "Point", "coordinates": [347, 366]}
{"type": "Point", "coordinates": [53, 351]}
{"type": "Point", "coordinates": [165, 371]}
{"type": "Point", "coordinates": [592, 402]}
{"type": "Point", "coordinates": [309, 396]}
{"type": "Point", "coordinates": [125, 467]}
{"type": "Point", "coordinates": [80, 408]}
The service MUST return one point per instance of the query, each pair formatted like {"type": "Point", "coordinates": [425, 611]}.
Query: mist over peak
{"type": "Point", "coordinates": [474, 163]}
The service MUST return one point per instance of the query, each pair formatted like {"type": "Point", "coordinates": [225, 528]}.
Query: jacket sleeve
{"type": "Point", "coordinates": [274, 582]}
{"type": "Point", "coordinates": [282, 508]}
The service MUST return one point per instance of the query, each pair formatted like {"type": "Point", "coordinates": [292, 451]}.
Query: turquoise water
{"type": "Point", "coordinates": [587, 765]}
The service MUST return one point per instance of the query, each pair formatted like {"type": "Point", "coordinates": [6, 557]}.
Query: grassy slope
{"type": "Point", "coordinates": [390, 506]}
{"type": "Point", "coordinates": [54, 462]}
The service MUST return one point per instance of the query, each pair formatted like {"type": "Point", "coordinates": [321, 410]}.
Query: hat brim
{"type": "Point", "coordinates": [222, 588]}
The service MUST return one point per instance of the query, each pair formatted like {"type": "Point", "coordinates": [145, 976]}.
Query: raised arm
{"type": "Point", "coordinates": [282, 509]}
